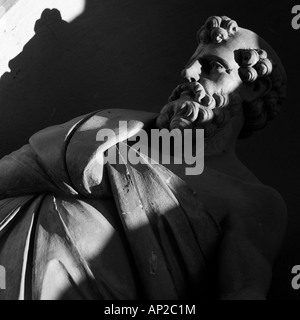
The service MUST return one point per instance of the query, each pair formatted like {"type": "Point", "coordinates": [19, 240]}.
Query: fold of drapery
{"type": "Point", "coordinates": [73, 227]}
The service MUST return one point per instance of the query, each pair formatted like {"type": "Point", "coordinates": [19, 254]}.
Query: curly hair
{"type": "Point", "coordinates": [254, 64]}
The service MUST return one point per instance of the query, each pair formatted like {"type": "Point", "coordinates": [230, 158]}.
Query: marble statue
{"type": "Point", "coordinates": [73, 226]}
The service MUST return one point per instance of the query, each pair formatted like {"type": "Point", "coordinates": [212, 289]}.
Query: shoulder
{"type": "Point", "coordinates": [262, 219]}
{"type": "Point", "coordinates": [266, 200]}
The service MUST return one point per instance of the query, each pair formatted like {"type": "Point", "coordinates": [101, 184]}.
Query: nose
{"type": "Point", "coordinates": [192, 72]}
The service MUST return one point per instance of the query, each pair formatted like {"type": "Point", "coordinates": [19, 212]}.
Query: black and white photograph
{"type": "Point", "coordinates": [149, 151]}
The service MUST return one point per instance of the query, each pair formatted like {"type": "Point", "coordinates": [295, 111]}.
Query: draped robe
{"type": "Point", "coordinates": [73, 226]}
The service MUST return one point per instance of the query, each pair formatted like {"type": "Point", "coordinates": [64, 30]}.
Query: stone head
{"type": "Point", "coordinates": [231, 66]}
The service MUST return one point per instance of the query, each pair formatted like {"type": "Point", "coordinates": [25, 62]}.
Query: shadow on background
{"type": "Point", "coordinates": [126, 54]}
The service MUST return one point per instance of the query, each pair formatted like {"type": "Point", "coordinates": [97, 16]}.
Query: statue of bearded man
{"type": "Point", "coordinates": [73, 226]}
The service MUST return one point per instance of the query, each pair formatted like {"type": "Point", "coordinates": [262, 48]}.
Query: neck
{"type": "Point", "coordinates": [220, 151]}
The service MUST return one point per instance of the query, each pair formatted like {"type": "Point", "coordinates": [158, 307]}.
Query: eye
{"type": "Point", "coordinates": [217, 66]}
{"type": "Point", "coordinates": [213, 66]}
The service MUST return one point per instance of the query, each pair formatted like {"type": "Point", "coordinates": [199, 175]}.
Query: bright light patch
{"type": "Point", "coordinates": [2, 11]}
{"type": "Point", "coordinates": [17, 24]}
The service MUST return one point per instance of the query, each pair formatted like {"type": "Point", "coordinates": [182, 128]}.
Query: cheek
{"type": "Point", "coordinates": [229, 83]}
{"type": "Point", "coordinates": [221, 82]}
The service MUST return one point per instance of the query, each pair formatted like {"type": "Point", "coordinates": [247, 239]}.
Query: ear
{"type": "Point", "coordinates": [257, 89]}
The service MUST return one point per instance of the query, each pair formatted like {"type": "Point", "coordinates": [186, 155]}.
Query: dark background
{"type": "Point", "coordinates": [129, 54]}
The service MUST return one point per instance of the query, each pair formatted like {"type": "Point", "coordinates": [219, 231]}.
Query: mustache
{"type": "Point", "coordinates": [189, 115]}
{"type": "Point", "coordinates": [190, 107]}
{"type": "Point", "coordinates": [200, 118]}
{"type": "Point", "coordinates": [196, 92]}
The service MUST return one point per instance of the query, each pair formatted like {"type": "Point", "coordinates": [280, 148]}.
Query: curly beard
{"type": "Point", "coordinates": [184, 111]}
